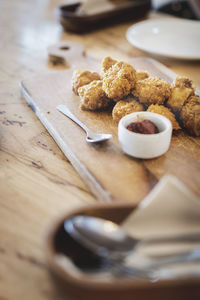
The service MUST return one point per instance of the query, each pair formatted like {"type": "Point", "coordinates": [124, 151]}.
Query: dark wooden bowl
{"type": "Point", "coordinates": [82, 287]}
{"type": "Point", "coordinates": [71, 21]}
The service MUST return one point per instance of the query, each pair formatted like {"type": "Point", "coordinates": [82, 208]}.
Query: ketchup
{"type": "Point", "coordinates": [144, 127]}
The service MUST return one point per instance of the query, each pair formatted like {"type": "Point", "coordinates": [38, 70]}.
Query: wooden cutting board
{"type": "Point", "coordinates": [109, 173]}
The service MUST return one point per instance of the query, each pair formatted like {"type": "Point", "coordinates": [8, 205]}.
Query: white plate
{"type": "Point", "coordinates": [175, 38]}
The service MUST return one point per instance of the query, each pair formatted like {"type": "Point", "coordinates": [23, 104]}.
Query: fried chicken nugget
{"type": "Point", "coordinates": [140, 75]}
{"type": "Point", "coordinates": [106, 64]}
{"type": "Point", "coordinates": [81, 78]}
{"type": "Point", "coordinates": [123, 108]}
{"type": "Point", "coordinates": [119, 80]}
{"type": "Point", "coordinates": [182, 89]}
{"type": "Point", "coordinates": [152, 90]}
{"type": "Point", "coordinates": [162, 110]}
{"type": "Point", "coordinates": [190, 116]}
{"type": "Point", "coordinates": [93, 97]}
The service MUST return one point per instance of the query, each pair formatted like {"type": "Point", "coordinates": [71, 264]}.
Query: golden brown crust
{"type": "Point", "coordinates": [141, 75]}
{"type": "Point", "coordinates": [152, 90]}
{"type": "Point", "coordinates": [123, 108]}
{"type": "Point", "coordinates": [182, 89]}
{"type": "Point", "coordinates": [162, 110]}
{"type": "Point", "coordinates": [106, 64]}
{"type": "Point", "coordinates": [119, 80]}
{"type": "Point", "coordinates": [93, 97]}
{"type": "Point", "coordinates": [190, 116]}
{"type": "Point", "coordinates": [81, 78]}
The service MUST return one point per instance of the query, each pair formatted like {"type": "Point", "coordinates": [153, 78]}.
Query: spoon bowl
{"type": "Point", "coordinates": [99, 235]}
{"type": "Point", "coordinates": [91, 137]}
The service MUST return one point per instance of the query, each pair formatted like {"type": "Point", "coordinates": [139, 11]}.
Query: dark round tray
{"type": "Point", "coordinates": [71, 21]}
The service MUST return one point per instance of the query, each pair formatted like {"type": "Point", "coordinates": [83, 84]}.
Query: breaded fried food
{"type": "Point", "coordinates": [190, 116]}
{"type": "Point", "coordinates": [162, 110]}
{"type": "Point", "coordinates": [93, 97]}
{"type": "Point", "coordinates": [81, 78]}
{"type": "Point", "coordinates": [106, 64]}
{"type": "Point", "coordinates": [119, 80]}
{"type": "Point", "coordinates": [152, 90]}
{"type": "Point", "coordinates": [123, 108]}
{"type": "Point", "coordinates": [141, 75]}
{"type": "Point", "coordinates": [182, 89]}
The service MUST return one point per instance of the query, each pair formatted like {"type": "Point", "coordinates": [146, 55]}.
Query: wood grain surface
{"type": "Point", "coordinates": [37, 182]}
{"type": "Point", "coordinates": [109, 173]}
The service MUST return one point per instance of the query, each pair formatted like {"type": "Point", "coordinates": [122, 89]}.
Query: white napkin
{"type": "Point", "coordinates": [169, 209]}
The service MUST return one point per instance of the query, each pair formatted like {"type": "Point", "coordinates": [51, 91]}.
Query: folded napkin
{"type": "Point", "coordinates": [170, 209]}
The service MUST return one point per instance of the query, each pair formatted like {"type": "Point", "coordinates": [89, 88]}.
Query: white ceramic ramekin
{"type": "Point", "coordinates": [145, 145]}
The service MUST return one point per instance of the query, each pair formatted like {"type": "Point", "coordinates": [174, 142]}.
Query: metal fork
{"type": "Point", "coordinates": [151, 271]}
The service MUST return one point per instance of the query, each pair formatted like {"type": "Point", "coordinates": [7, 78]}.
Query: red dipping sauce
{"type": "Point", "coordinates": [144, 127]}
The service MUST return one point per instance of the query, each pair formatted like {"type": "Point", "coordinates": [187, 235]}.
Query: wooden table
{"type": "Point", "coordinates": [37, 181]}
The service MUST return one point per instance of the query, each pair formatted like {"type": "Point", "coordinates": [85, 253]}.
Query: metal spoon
{"type": "Point", "coordinates": [106, 238]}
{"type": "Point", "coordinates": [91, 137]}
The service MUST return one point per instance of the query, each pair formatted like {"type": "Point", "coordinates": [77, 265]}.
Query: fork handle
{"type": "Point", "coordinates": [119, 268]}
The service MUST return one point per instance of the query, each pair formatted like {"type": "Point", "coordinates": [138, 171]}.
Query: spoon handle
{"type": "Point", "coordinates": [185, 257]}
{"type": "Point", "coordinates": [191, 237]}
{"type": "Point", "coordinates": [63, 109]}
